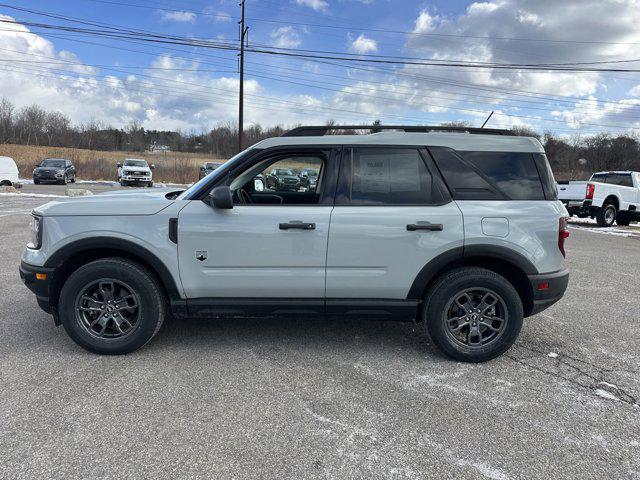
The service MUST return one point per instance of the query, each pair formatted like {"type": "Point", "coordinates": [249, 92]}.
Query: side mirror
{"type": "Point", "coordinates": [36, 165]}
{"type": "Point", "coordinates": [152, 166]}
{"type": "Point", "coordinates": [202, 169]}
{"type": "Point", "coordinates": [221, 197]}
{"type": "Point", "coordinates": [119, 165]}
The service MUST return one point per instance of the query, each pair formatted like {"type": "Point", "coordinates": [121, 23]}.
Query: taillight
{"type": "Point", "coordinates": [590, 189]}
{"type": "Point", "coordinates": [563, 232]}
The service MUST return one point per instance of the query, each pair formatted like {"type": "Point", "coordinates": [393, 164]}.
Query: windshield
{"type": "Point", "coordinates": [52, 162]}
{"type": "Point", "coordinates": [283, 171]}
{"type": "Point", "coordinates": [135, 163]}
{"type": "Point", "coordinates": [212, 177]}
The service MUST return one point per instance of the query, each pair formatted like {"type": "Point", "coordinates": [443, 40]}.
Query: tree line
{"type": "Point", "coordinates": [570, 157]}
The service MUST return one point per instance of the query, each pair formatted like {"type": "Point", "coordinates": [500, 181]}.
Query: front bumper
{"type": "Point", "coordinates": [38, 286]}
{"type": "Point", "coordinates": [130, 178]}
{"type": "Point", "coordinates": [548, 288]}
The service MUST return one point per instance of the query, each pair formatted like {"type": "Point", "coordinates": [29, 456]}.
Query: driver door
{"type": "Point", "coordinates": [272, 245]}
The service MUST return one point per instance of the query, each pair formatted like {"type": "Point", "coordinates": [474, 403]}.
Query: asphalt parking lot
{"type": "Point", "coordinates": [303, 398]}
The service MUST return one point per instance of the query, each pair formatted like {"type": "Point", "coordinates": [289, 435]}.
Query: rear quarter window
{"type": "Point", "coordinates": [515, 174]}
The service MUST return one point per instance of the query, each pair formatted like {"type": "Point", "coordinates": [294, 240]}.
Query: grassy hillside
{"type": "Point", "coordinates": [171, 167]}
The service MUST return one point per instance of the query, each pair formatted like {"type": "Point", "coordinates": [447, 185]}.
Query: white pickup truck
{"type": "Point", "coordinates": [608, 197]}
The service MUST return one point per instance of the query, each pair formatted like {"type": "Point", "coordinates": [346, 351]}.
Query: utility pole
{"type": "Point", "coordinates": [243, 33]}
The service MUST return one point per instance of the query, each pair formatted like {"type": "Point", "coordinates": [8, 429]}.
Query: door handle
{"type": "Point", "coordinates": [297, 224]}
{"type": "Point", "coordinates": [432, 227]}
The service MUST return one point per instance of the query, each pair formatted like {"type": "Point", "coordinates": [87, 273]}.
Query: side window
{"type": "Point", "coordinates": [279, 181]}
{"type": "Point", "coordinates": [388, 176]}
{"type": "Point", "coordinates": [622, 179]}
{"type": "Point", "coordinates": [515, 174]}
{"type": "Point", "coordinates": [464, 181]}
{"type": "Point", "coordinates": [599, 177]}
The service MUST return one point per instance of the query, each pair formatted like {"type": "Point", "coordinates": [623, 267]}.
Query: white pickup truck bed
{"type": "Point", "coordinates": [572, 194]}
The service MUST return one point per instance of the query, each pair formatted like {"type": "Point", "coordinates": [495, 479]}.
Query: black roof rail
{"type": "Point", "coordinates": [322, 130]}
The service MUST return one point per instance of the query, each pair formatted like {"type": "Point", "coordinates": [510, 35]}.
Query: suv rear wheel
{"type": "Point", "coordinates": [606, 215]}
{"type": "Point", "coordinates": [112, 306]}
{"type": "Point", "coordinates": [472, 314]}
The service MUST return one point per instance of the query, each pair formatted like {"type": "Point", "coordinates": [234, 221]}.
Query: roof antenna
{"type": "Point", "coordinates": [485, 122]}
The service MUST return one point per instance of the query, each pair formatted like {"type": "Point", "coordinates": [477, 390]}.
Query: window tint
{"type": "Point", "coordinates": [464, 182]}
{"type": "Point", "coordinates": [599, 177]}
{"type": "Point", "coordinates": [515, 174]}
{"type": "Point", "coordinates": [622, 179]}
{"type": "Point", "coordinates": [389, 176]}
{"type": "Point", "coordinates": [546, 176]}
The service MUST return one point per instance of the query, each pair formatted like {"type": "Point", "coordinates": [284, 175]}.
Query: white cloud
{"type": "Point", "coordinates": [426, 22]}
{"type": "Point", "coordinates": [217, 15]}
{"type": "Point", "coordinates": [285, 37]}
{"type": "Point", "coordinates": [181, 16]}
{"type": "Point", "coordinates": [363, 45]}
{"type": "Point", "coordinates": [319, 5]}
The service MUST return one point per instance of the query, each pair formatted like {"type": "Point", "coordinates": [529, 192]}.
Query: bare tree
{"type": "Point", "coordinates": [6, 120]}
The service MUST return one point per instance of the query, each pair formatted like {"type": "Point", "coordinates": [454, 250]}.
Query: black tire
{"type": "Point", "coordinates": [36, 182]}
{"type": "Point", "coordinates": [606, 216]}
{"type": "Point", "coordinates": [123, 183]}
{"type": "Point", "coordinates": [623, 219]}
{"type": "Point", "coordinates": [440, 300]}
{"type": "Point", "coordinates": [146, 319]}
{"type": "Point", "coordinates": [150, 184]}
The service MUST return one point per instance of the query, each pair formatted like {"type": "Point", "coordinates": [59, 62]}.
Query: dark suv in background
{"type": "Point", "coordinates": [57, 170]}
{"type": "Point", "coordinates": [283, 179]}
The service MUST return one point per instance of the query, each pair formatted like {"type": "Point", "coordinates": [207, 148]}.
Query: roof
{"type": "Point", "coordinates": [457, 141]}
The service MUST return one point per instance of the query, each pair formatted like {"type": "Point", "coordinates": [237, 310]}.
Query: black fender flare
{"type": "Point", "coordinates": [435, 265]}
{"type": "Point", "coordinates": [64, 253]}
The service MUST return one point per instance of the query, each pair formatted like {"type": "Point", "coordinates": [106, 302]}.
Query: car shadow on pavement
{"type": "Point", "coordinates": [277, 333]}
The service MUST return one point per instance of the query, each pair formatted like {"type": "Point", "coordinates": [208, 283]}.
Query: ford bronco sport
{"type": "Point", "coordinates": [459, 229]}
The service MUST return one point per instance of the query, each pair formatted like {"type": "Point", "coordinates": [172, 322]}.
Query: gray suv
{"type": "Point", "coordinates": [457, 229]}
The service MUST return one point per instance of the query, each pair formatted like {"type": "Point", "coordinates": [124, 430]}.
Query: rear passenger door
{"type": "Point", "coordinates": [392, 215]}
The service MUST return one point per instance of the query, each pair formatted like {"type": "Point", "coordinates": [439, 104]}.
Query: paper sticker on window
{"type": "Point", "coordinates": [376, 174]}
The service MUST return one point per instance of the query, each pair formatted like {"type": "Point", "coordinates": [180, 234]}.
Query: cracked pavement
{"type": "Point", "coordinates": [309, 398]}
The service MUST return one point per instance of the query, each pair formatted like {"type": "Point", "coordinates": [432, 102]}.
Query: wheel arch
{"type": "Point", "coordinates": [501, 260]}
{"type": "Point", "coordinates": [612, 198]}
{"type": "Point", "coordinates": [72, 256]}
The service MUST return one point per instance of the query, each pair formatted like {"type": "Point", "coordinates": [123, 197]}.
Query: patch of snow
{"type": "Point", "coordinates": [484, 470]}
{"type": "Point", "coordinates": [39, 195]}
{"type": "Point", "coordinates": [604, 394]}
{"type": "Point", "coordinates": [552, 355]}
{"type": "Point", "coordinates": [634, 443]}
{"type": "Point", "coordinates": [608, 385]}
{"type": "Point", "coordinates": [607, 231]}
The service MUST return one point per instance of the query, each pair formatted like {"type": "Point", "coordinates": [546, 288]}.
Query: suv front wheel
{"type": "Point", "coordinates": [112, 306]}
{"type": "Point", "coordinates": [473, 314]}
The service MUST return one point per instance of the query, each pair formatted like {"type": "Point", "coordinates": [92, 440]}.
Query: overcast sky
{"type": "Point", "coordinates": [188, 88]}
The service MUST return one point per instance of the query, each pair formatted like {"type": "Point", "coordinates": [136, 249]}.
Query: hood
{"type": "Point", "coordinates": [288, 177]}
{"type": "Point", "coordinates": [118, 203]}
{"type": "Point", "coordinates": [128, 168]}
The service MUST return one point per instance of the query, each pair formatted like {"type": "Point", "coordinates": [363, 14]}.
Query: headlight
{"type": "Point", "coordinates": [36, 233]}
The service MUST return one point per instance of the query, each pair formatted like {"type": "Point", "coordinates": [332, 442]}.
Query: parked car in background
{"type": "Point", "coordinates": [459, 230]}
{"type": "Point", "coordinates": [308, 178]}
{"type": "Point", "coordinates": [608, 197]}
{"type": "Point", "coordinates": [135, 171]}
{"type": "Point", "coordinates": [283, 179]}
{"type": "Point", "coordinates": [8, 172]}
{"type": "Point", "coordinates": [57, 170]}
{"type": "Point", "coordinates": [572, 194]}
{"type": "Point", "coordinates": [207, 168]}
